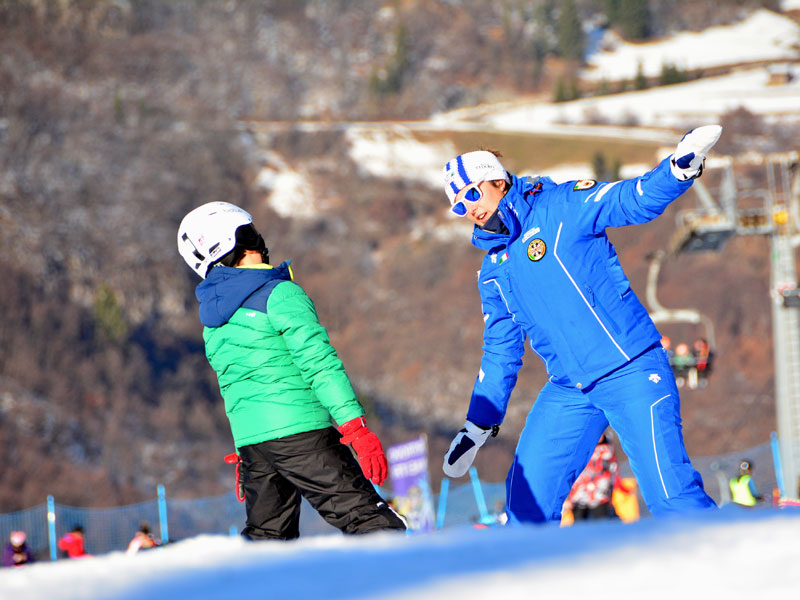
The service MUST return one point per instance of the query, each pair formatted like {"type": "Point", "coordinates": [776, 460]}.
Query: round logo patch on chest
{"type": "Point", "coordinates": [536, 249]}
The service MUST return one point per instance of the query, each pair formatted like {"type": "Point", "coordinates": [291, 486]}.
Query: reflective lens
{"type": "Point", "coordinates": [459, 208]}
{"type": "Point", "coordinates": [471, 194]}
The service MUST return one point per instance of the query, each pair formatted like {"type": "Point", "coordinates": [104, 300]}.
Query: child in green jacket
{"type": "Point", "coordinates": [282, 383]}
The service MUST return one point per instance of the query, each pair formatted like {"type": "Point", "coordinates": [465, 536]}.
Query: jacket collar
{"type": "Point", "coordinates": [513, 209]}
{"type": "Point", "coordinates": [226, 288]}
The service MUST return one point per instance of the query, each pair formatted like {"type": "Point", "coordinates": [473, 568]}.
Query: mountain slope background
{"type": "Point", "coordinates": [117, 118]}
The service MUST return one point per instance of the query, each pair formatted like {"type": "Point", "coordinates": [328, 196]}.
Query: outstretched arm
{"type": "Point", "coordinates": [642, 199]}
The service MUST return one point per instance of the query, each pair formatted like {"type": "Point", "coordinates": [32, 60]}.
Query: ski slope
{"type": "Point", "coordinates": [730, 553]}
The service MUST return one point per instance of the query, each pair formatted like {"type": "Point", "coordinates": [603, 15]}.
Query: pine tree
{"type": "Point", "coordinates": [571, 40]}
{"type": "Point", "coordinates": [633, 18]}
{"type": "Point", "coordinates": [640, 81]}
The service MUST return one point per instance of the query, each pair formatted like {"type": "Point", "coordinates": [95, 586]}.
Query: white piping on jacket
{"type": "Point", "coordinates": [601, 191]}
{"type": "Point", "coordinates": [499, 289]}
{"type": "Point", "coordinates": [577, 287]}
{"type": "Point", "coordinates": [655, 451]}
{"type": "Point", "coordinates": [514, 318]}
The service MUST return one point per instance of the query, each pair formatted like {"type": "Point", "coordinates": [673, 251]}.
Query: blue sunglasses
{"type": "Point", "coordinates": [472, 194]}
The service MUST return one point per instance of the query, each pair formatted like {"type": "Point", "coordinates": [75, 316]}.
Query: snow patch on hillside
{"type": "Point", "coordinates": [762, 36]}
{"type": "Point", "coordinates": [394, 152]}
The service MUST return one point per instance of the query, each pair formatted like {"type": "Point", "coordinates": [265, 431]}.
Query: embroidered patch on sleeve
{"type": "Point", "coordinates": [583, 185]}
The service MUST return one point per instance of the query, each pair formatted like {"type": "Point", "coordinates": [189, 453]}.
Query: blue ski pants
{"type": "Point", "coordinates": [640, 402]}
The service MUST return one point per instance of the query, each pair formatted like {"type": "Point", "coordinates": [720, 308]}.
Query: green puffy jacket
{"type": "Point", "coordinates": [277, 370]}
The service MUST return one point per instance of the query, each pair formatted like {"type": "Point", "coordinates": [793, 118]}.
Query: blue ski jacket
{"type": "Point", "coordinates": [555, 278]}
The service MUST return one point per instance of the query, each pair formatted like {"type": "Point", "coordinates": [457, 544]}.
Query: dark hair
{"type": "Point", "coordinates": [247, 238]}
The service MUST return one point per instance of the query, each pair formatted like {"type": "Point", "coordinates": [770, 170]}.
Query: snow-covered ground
{"type": "Point", "coordinates": [729, 553]}
{"type": "Point", "coordinates": [762, 36]}
{"type": "Point", "coordinates": [659, 113]}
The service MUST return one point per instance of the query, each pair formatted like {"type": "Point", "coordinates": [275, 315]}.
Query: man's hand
{"type": "Point", "coordinates": [464, 448]}
{"type": "Point", "coordinates": [687, 162]}
{"type": "Point", "coordinates": [368, 448]}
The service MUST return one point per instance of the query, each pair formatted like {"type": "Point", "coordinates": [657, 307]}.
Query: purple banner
{"type": "Point", "coordinates": [408, 472]}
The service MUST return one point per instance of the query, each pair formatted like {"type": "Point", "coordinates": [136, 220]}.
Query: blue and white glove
{"type": "Point", "coordinates": [687, 162]}
{"type": "Point", "coordinates": [464, 448]}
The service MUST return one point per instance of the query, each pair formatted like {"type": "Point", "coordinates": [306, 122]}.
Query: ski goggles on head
{"type": "Point", "coordinates": [472, 193]}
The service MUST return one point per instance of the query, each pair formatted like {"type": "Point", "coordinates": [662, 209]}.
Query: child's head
{"type": "Point", "coordinates": [218, 233]}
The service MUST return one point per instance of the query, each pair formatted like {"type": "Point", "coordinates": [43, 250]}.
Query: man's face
{"type": "Point", "coordinates": [480, 210]}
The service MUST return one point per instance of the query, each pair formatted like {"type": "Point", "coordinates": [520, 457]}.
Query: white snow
{"type": "Point", "coordinates": [289, 192]}
{"type": "Point", "coordinates": [764, 35]}
{"type": "Point", "coordinates": [393, 152]}
{"type": "Point", "coordinates": [732, 552]}
{"type": "Point", "coordinates": [659, 114]}
{"type": "Point", "coordinates": [659, 109]}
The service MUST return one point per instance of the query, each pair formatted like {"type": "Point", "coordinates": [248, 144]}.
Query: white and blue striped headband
{"type": "Point", "coordinates": [472, 167]}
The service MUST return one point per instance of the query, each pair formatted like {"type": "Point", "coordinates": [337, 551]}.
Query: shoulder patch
{"type": "Point", "coordinates": [583, 185]}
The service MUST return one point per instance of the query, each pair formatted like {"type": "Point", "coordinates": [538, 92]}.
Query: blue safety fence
{"type": "Point", "coordinates": [111, 529]}
{"type": "Point", "coordinates": [465, 504]}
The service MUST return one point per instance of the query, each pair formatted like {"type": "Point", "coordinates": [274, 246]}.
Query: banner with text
{"type": "Point", "coordinates": [408, 472]}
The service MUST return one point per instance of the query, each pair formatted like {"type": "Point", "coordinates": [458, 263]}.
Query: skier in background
{"type": "Point", "coordinates": [282, 382]}
{"type": "Point", "coordinates": [72, 543]}
{"type": "Point", "coordinates": [743, 488]}
{"type": "Point", "coordinates": [551, 274]}
{"type": "Point", "coordinates": [17, 552]}
{"type": "Point", "coordinates": [590, 496]}
{"type": "Point", "coordinates": [142, 540]}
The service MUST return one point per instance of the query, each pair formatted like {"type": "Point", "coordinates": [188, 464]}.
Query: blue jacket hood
{"type": "Point", "coordinates": [225, 289]}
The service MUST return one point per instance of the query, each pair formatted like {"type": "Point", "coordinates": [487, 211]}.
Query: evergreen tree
{"type": "Point", "coordinates": [612, 11]}
{"type": "Point", "coordinates": [571, 40]}
{"type": "Point", "coordinates": [633, 18]}
{"type": "Point", "coordinates": [671, 74]}
{"type": "Point", "coordinates": [640, 81]}
{"type": "Point", "coordinates": [112, 327]}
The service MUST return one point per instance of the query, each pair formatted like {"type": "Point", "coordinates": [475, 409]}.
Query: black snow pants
{"type": "Point", "coordinates": [315, 464]}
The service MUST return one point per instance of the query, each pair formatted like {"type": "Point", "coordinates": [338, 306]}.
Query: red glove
{"type": "Point", "coordinates": [368, 448]}
{"type": "Point", "coordinates": [235, 459]}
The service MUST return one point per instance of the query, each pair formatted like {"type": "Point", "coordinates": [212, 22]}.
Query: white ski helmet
{"type": "Point", "coordinates": [208, 233]}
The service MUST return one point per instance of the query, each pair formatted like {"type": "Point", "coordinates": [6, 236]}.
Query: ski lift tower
{"type": "Point", "coordinates": [777, 216]}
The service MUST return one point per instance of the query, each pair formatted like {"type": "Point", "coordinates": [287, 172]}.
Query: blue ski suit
{"type": "Point", "coordinates": [555, 278]}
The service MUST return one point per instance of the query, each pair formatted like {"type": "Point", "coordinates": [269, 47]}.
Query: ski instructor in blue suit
{"type": "Point", "coordinates": [551, 274]}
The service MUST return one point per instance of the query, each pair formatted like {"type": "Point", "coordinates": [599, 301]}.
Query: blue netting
{"type": "Point", "coordinates": [33, 521]}
{"type": "Point", "coordinates": [111, 529]}
{"type": "Point", "coordinates": [188, 518]}
{"type": "Point", "coordinates": [107, 529]}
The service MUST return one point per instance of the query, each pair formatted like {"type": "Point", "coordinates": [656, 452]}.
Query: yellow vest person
{"type": "Point", "coordinates": [743, 489]}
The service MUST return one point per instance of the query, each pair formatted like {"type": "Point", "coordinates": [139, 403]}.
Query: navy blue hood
{"type": "Point", "coordinates": [225, 289]}
{"type": "Point", "coordinates": [519, 197]}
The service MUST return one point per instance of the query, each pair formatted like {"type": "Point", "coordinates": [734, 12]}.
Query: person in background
{"type": "Point", "coordinates": [666, 343]}
{"type": "Point", "coordinates": [743, 488]}
{"type": "Point", "coordinates": [590, 497]}
{"type": "Point", "coordinates": [282, 383]}
{"type": "Point", "coordinates": [703, 356]}
{"type": "Point", "coordinates": [551, 279]}
{"type": "Point", "coordinates": [682, 363]}
{"type": "Point", "coordinates": [142, 540]}
{"type": "Point", "coordinates": [17, 553]}
{"type": "Point", "coordinates": [71, 544]}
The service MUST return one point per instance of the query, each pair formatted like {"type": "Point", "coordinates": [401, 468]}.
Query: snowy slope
{"type": "Point", "coordinates": [658, 113]}
{"type": "Point", "coordinates": [762, 36]}
{"type": "Point", "coordinates": [730, 553]}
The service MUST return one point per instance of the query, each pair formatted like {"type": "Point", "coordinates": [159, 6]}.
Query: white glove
{"type": "Point", "coordinates": [687, 162]}
{"type": "Point", "coordinates": [464, 448]}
